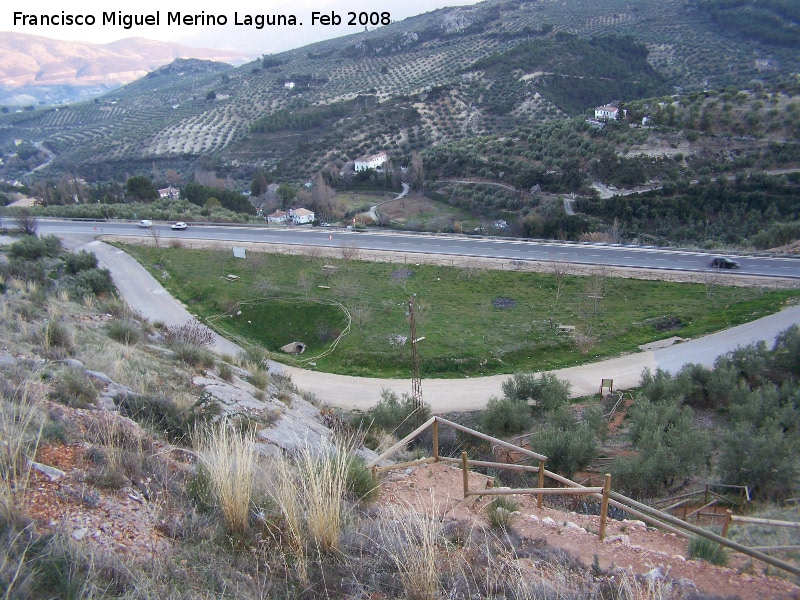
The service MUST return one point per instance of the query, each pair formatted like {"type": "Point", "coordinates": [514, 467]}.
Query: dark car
{"type": "Point", "coordinates": [722, 262]}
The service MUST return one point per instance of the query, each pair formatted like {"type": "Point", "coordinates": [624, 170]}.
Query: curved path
{"type": "Point", "coordinates": [145, 293]}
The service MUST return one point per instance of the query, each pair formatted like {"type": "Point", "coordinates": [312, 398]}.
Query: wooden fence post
{"type": "Point", "coordinates": [374, 473]}
{"type": "Point", "coordinates": [465, 472]}
{"type": "Point", "coordinates": [604, 506]}
{"type": "Point", "coordinates": [727, 523]}
{"type": "Point", "coordinates": [436, 441]}
{"type": "Point", "coordinates": [541, 484]}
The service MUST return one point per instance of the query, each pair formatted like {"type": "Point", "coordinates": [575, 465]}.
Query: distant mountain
{"type": "Point", "coordinates": [36, 69]}
{"type": "Point", "coordinates": [415, 85]}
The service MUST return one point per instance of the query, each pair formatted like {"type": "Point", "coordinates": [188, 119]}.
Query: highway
{"type": "Point", "coordinates": [443, 244]}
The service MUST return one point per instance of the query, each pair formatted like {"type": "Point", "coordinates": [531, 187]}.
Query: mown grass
{"type": "Point", "coordinates": [278, 299]}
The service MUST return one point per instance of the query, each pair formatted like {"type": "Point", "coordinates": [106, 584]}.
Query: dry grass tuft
{"type": "Point", "coordinates": [229, 460]}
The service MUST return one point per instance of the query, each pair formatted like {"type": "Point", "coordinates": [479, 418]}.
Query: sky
{"type": "Point", "coordinates": [247, 39]}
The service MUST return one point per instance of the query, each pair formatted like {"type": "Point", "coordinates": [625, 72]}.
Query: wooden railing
{"type": "Point", "coordinates": [607, 497]}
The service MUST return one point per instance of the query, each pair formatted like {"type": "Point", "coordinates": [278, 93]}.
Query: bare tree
{"type": "Point", "coordinates": [304, 282]}
{"type": "Point", "coordinates": [559, 271]}
{"type": "Point", "coordinates": [711, 279]}
{"type": "Point", "coordinates": [155, 233]}
{"type": "Point", "coordinates": [360, 314]}
{"type": "Point", "coordinates": [26, 222]}
{"type": "Point", "coordinates": [348, 251]}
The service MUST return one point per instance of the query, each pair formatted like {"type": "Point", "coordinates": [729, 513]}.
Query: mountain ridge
{"type": "Point", "coordinates": [38, 68]}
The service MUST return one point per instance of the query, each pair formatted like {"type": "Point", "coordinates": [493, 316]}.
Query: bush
{"type": "Point", "coordinates": [56, 336]}
{"type": "Point", "coordinates": [74, 389]}
{"type": "Point", "coordinates": [396, 414]}
{"type": "Point", "coordinates": [360, 482]}
{"type": "Point", "coordinates": [569, 446]}
{"type": "Point", "coordinates": [503, 416]}
{"type": "Point", "coordinates": [93, 281]}
{"type": "Point", "coordinates": [162, 414]}
{"type": "Point", "coordinates": [501, 512]}
{"type": "Point", "coordinates": [124, 332]}
{"type": "Point", "coordinates": [546, 393]}
{"type": "Point", "coordinates": [34, 248]}
{"type": "Point", "coordinates": [82, 261]}
{"type": "Point", "coordinates": [225, 372]}
{"type": "Point", "coordinates": [192, 333]}
{"type": "Point", "coordinates": [762, 458]}
{"type": "Point", "coordinates": [707, 550]}
{"type": "Point", "coordinates": [194, 356]}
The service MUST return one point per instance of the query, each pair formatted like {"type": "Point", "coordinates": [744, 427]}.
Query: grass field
{"type": "Point", "coordinates": [474, 322]}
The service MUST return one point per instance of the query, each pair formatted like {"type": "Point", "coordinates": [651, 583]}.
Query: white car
{"type": "Point", "coordinates": [145, 223]}
{"type": "Point", "coordinates": [179, 226]}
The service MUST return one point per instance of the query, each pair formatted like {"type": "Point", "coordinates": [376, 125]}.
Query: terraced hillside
{"type": "Point", "coordinates": [439, 77]}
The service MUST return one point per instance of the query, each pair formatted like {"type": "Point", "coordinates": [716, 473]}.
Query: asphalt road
{"type": "Point", "coordinates": [144, 293]}
{"type": "Point", "coordinates": [454, 245]}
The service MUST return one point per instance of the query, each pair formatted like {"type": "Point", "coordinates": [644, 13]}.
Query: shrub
{"type": "Point", "coordinates": [569, 446]}
{"type": "Point", "coordinates": [162, 414]}
{"type": "Point", "coordinates": [546, 393]}
{"type": "Point", "coordinates": [225, 371]}
{"type": "Point", "coordinates": [763, 458]}
{"type": "Point", "coordinates": [503, 416]}
{"type": "Point", "coordinates": [124, 332]}
{"type": "Point", "coordinates": [193, 333]}
{"type": "Point", "coordinates": [82, 261]}
{"type": "Point", "coordinates": [193, 355]}
{"type": "Point", "coordinates": [360, 482]}
{"type": "Point", "coordinates": [259, 378]}
{"type": "Point", "coordinates": [33, 248]}
{"type": "Point", "coordinates": [74, 389]}
{"type": "Point", "coordinates": [501, 512]}
{"type": "Point", "coordinates": [97, 282]}
{"type": "Point", "coordinates": [397, 414]}
{"type": "Point", "coordinates": [56, 336]}
{"type": "Point", "coordinates": [707, 550]}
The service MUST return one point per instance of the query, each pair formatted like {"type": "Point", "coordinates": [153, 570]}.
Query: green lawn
{"type": "Point", "coordinates": [474, 323]}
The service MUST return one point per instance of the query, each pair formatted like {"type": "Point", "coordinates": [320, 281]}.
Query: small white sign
{"type": "Point", "coordinates": [238, 252]}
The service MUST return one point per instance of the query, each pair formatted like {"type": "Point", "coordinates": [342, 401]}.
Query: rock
{"type": "Point", "coordinates": [571, 525]}
{"type": "Point", "coordinates": [634, 523]}
{"type": "Point", "coordinates": [52, 473]}
{"type": "Point", "coordinates": [549, 522]}
{"type": "Point", "coordinates": [79, 534]}
{"type": "Point", "coordinates": [533, 518]}
{"type": "Point", "coordinates": [408, 471]}
{"type": "Point", "coordinates": [679, 558]}
{"type": "Point", "coordinates": [6, 360]}
{"type": "Point", "coordinates": [623, 539]}
{"type": "Point", "coordinates": [74, 363]}
{"type": "Point", "coordinates": [654, 575]}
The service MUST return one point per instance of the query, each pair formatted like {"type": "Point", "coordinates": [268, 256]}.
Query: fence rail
{"type": "Point", "coordinates": [607, 497]}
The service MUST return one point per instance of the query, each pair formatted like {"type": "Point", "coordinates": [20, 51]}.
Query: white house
{"type": "Point", "coordinates": [370, 162]}
{"type": "Point", "coordinates": [289, 85]}
{"type": "Point", "coordinates": [279, 216]}
{"type": "Point", "coordinates": [300, 216]}
{"type": "Point", "coordinates": [169, 192]}
{"type": "Point", "coordinates": [606, 112]}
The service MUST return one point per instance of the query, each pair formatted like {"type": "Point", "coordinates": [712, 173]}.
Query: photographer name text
{"type": "Point", "coordinates": [202, 19]}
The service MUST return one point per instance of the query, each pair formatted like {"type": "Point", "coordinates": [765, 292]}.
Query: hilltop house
{"type": "Point", "coordinates": [169, 192]}
{"type": "Point", "coordinates": [370, 162]}
{"type": "Point", "coordinates": [300, 216]}
{"type": "Point", "coordinates": [607, 112]}
{"type": "Point", "coordinates": [279, 216]}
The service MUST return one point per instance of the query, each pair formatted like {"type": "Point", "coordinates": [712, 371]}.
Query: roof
{"type": "Point", "coordinates": [300, 212]}
{"type": "Point", "coordinates": [279, 213]}
{"type": "Point", "coordinates": [373, 157]}
{"type": "Point", "coordinates": [608, 108]}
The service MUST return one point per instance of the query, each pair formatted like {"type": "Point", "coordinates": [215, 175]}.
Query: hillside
{"type": "Point", "coordinates": [36, 69]}
{"type": "Point", "coordinates": [434, 64]}
{"type": "Point", "coordinates": [139, 464]}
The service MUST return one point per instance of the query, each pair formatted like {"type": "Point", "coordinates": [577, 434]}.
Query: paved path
{"type": "Point", "coordinates": [145, 293]}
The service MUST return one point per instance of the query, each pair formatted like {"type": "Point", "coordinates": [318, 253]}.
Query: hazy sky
{"type": "Point", "coordinates": [246, 39]}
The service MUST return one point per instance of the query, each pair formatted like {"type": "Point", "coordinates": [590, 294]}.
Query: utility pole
{"type": "Point", "coordinates": [416, 382]}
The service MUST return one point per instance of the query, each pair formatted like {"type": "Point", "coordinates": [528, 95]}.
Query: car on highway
{"type": "Point", "coordinates": [179, 226]}
{"type": "Point", "coordinates": [145, 223]}
{"type": "Point", "coordinates": [723, 262]}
